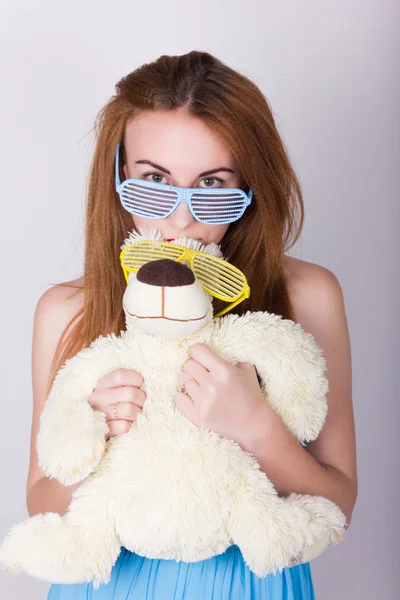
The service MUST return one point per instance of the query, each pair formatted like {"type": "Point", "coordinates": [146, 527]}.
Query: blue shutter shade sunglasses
{"type": "Point", "coordinates": [212, 206]}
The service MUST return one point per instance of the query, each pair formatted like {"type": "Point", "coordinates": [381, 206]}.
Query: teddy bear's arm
{"type": "Point", "coordinates": [290, 364]}
{"type": "Point", "coordinates": [71, 438]}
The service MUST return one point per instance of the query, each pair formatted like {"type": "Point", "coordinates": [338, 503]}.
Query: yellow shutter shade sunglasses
{"type": "Point", "coordinates": [216, 276]}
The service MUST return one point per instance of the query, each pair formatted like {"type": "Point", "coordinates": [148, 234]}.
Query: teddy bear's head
{"type": "Point", "coordinates": [164, 297]}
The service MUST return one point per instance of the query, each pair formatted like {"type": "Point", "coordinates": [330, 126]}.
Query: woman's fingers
{"type": "Point", "coordinates": [119, 378]}
{"type": "Point", "coordinates": [119, 397]}
{"type": "Point", "coordinates": [102, 398]}
{"type": "Point", "coordinates": [118, 428]}
{"type": "Point", "coordinates": [126, 411]}
{"type": "Point", "coordinates": [195, 370]}
{"type": "Point", "coordinates": [127, 414]}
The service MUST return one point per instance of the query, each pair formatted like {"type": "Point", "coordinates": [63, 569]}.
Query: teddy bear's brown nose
{"type": "Point", "coordinates": [165, 273]}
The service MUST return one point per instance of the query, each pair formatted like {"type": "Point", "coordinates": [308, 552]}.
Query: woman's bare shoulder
{"type": "Point", "coordinates": [312, 288]}
{"type": "Point", "coordinates": [55, 309]}
{"type": "Point", "coordinates": [65, 293]}
{"type": "Point", "coordinates": [57, 305]}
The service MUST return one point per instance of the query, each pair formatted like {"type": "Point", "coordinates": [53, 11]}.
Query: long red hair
{"type": "Point", "coordinates": [237, 111]}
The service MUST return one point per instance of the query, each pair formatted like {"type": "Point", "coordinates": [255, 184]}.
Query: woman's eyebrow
{"type": "Point", "coordinates": [164, 170]}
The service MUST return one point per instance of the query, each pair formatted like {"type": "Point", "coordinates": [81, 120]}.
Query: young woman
{"type": "Point", "coordinates": [191, 121]}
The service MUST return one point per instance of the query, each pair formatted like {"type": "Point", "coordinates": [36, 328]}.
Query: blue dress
{"type": "Point", "coordinates": [222, 577]}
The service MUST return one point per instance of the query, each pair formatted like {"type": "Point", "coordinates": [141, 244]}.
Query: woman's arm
{"type": "Point", "coordinates": [53, 311]}
{"type": "Point", "coordinates": [328, 466]}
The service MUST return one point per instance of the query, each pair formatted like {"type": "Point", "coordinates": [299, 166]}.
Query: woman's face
{"type": "Point", "coordinates": [184, 152]}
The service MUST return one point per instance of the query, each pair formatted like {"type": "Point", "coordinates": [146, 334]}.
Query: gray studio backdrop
{"type": "Point", "coordinates": [331, 72]}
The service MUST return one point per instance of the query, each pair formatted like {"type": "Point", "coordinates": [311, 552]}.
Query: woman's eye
{"type": "Point", "coordinates": [154, 177]}
{"type": "Point", "coordinates": [210, 180]}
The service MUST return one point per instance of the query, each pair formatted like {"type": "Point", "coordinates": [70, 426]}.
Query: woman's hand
{"type": "Point", "coordinates": [220, 396]}
{"type": "Point", "coordinates": [119, 396]}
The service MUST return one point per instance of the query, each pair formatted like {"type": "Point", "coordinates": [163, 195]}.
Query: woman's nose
{"type": "Point", "coordinates": [181, 217]}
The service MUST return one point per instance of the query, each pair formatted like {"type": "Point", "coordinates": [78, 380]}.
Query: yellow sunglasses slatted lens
{"type": "Point", "coordinates": [217, 277]}
{"type": "Point", "coordinates": [136, 257]}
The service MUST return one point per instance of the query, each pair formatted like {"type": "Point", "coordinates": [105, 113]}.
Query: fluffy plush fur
{"type": "Point", "coordinates": [167, 488]}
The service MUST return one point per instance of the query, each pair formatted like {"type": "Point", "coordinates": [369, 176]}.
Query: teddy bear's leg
{"type": "Point", "coordinates": [274, 532]}
{"type": "Point", "coordinates": [326, 526]}
{"type": "Point", "coordinates": [268, 530]}
{"type": "Point", "coordinates": [81, 546]}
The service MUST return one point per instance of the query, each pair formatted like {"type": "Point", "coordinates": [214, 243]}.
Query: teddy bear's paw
{"type": "Point", "coordinates": [76, 463]}
{"type": "Point", "coordinates": [72, 458]}
{"type": "Point", "coordinates": [83, 465]}
{"type": "Point", "coordinates": [47, 548]}
{"type": "Point", "coordinates": [16, 547]}
{"type": "Point", "coordinates": [325, 525]}
{"type": "Point", "coordinates": [35, 546]}
{"type": "Point", "coordinates": [8, 562]}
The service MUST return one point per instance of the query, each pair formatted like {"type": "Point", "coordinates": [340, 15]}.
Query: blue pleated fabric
{"type": "Point", "coordinates": [222, 577]}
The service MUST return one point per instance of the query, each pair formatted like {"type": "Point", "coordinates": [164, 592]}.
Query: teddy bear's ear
{"type": "Point", "coordinates": [142, 234]}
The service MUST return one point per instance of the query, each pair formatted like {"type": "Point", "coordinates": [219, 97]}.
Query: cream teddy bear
{"type": "Point", "coordinates": [169, 489]}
